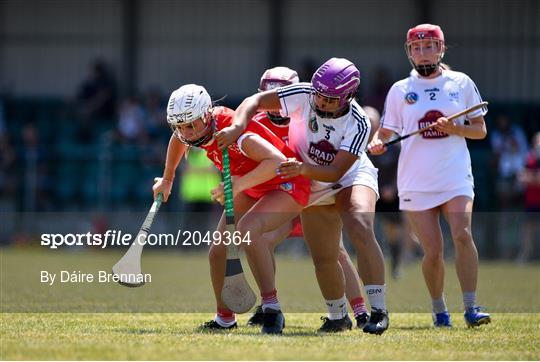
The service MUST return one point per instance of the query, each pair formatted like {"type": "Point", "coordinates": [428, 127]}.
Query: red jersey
{"type": "Point", "coordinates": [240, 164]}
{"type": "Point", "coordinates": [282, 131]}
{"type": "Point", "coordinates": [297, 187]}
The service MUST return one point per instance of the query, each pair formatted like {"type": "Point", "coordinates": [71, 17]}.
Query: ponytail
{"type": "Point", "coordinates": [445, 66]}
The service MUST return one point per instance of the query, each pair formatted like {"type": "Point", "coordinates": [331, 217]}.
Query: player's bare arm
{"type": "Point", "coordinates": [264, 101]}
{"type": "Point", "coordinates": [175, 151]}
{"type": "Point", "coordinates": [262, 151]}
{"type": "Point", "coordinates": [475, 130]}
{"type": "Point", "coordinates": [329, 173]}
{"type": "Point", "coordinates": [376, 146]}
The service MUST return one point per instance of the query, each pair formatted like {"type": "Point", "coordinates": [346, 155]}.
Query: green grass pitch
{"type": "Point", "coordinates": [167, 312]}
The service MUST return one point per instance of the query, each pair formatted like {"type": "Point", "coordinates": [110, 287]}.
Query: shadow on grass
{"type": "Point", "coordinates": [291, 331]}
{"type": "Point", "coordinates": [418, 328]}
{"type": "Point", "coordinates": [286, 333]}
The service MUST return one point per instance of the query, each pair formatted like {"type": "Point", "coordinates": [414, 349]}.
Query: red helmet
{"type": "Point", "coordinates": [425, 32]}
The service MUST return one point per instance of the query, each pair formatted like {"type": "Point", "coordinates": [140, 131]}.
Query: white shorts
{"type": "Point", "coordinates": [420, 201]}
{"type": "Point", "coordinates": [365, 175]}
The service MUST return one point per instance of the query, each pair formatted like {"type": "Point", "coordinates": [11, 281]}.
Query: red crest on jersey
{"type": "Point", "coordinates": [429, 118]}
{"type": "Point", "coordinates": [322, 152]}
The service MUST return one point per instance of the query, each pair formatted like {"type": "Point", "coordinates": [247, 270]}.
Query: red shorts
{"type": "Point", "coordinates": [296, 231]}
{"type": "Point", "coordinates": [298, 187]}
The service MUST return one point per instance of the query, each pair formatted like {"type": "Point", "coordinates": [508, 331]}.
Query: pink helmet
{"type": "Point", "coordinates": [277, 77]}
{"type": "Point", "coordinates": [274, 78]}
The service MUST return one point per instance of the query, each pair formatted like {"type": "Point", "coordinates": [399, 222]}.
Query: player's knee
{"type": "Point", "coordinates": [252, 226]}
{"type": "Point", "coordinates": [322, 262]}
{"type": "Point", "coordinates": [360, 228]}
{"type": "Point", "coordinates": [433, 255]}
{"type": "Point", "coordinates": [462, 236]}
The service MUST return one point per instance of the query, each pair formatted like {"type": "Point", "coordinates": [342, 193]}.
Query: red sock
{"type": "Point", "coordinates": [358, 306]}
{"type": "Point", "coordinates": [225, 314]}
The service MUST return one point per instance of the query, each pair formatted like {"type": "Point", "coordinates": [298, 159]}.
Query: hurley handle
{"type": "Point", "coordinates": [153, 210]}
{"type": "Point", "coordinates": [451, 118]}
{"type": "Point", "coordinates": [232, 250]}
{"type": "Point", "coordinates": [227, 187]}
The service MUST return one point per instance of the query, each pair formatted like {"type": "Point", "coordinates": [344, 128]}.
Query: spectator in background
{"type": "Point", "coordinates": [2, 118]}
{"type": "Point", "coordinates": [97, 94]}
{"type": "Point", "coordinates": [30, 155]}
{"type": "Point", "coordinates": [96, 101]}
{"type": "Point", "coordinates": [8, 169]}
{"type": "Point", "coordinates": [509, 146]}
{"type": "Point", "coordinates": [36, 184]}
{"type": "Point", "coordinates": [131, 119]}
{"type": "Point", "coordinates": [530, 178]}
{"type": "Point", "coordinates": [155, 114]}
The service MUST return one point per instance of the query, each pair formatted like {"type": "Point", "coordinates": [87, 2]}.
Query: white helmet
{"type": "Point", "coordinates": [277, 77]}
{"type": "Point", "coordinates": [187, 104]}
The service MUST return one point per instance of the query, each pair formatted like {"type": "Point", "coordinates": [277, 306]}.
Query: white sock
{"type": "Point", "coordinates": [222, 323]}
{"type": "Point", "coordinates": [438, 305]}
{"type": "Point", "coordinates": [337, 308]}
{"type": "Point", "coordinates": [274, 306]}
{"type": "Point", "coordinates": [469, 300]}
{"type": "Point", "coordinates": [376, 295]}
{"type": "Point", "coordinates": [270, 301]}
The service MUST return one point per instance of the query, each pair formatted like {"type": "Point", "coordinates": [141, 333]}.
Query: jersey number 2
{"type": "Point", "coordinates": [432, 96]}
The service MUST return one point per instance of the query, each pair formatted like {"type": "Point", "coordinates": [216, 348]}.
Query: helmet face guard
{"type": "Point", "coordinates": [187, 131]}
{"type": "Point", "coordinates": [425, 42]}
{"type": "Point", "coordinates": [432, 49]}
{"type": "Point", "coordinates": [319, 102]}
{"type": "Point", "coordinates": [278, 118]}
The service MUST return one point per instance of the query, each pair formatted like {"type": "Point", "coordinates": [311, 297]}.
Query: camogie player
{"type": "Point", "coordinates": [279, 125]}
{"type": "Point", "coordinates": [256, 191]}
{"type": "Point", "coordinates": [434, 169]}
{"type": "Point", "coordinates": [330, 131]}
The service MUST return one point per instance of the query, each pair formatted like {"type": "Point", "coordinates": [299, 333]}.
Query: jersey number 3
{"type": "Point", "coordinates": [327, 137]}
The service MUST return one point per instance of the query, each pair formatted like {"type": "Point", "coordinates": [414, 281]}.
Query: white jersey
{"type": "Point", "coordinates": [317, 140]}
{"type": "Point", "coordinates": [431, 161]}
